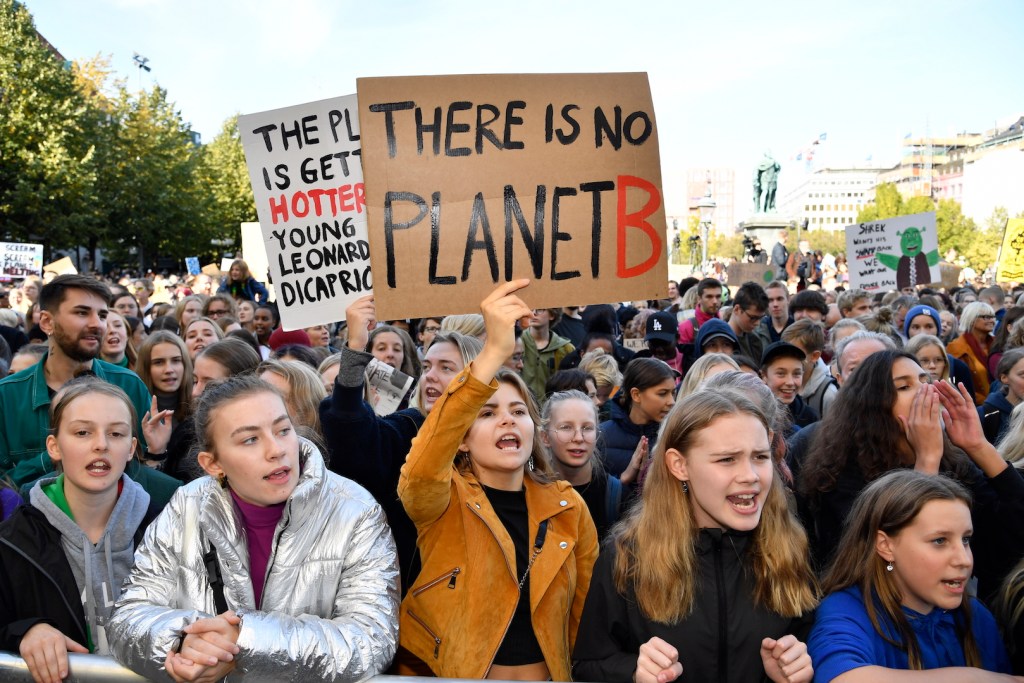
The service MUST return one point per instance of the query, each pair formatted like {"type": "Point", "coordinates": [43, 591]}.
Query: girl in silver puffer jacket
{"type": "Point", "coordinates": [272, 568]}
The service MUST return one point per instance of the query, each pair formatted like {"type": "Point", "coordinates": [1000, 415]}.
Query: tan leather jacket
{"type": "Point", "coordinates": [456, 614]}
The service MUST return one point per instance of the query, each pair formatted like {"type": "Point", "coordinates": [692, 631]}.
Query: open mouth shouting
{"type": "Point", "coordinates": [745, 503]}
{"type": "Point", "coordinates": [510, 443]}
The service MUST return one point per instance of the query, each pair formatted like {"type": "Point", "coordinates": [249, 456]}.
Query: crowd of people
{"type": "Point", "coordinates": [738, 482]}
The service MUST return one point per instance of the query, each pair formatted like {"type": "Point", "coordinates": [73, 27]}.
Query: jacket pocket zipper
{"type": "Point", "coordinates": [450, 575]}
{"type": "Point", "coordinates": [437, 639]}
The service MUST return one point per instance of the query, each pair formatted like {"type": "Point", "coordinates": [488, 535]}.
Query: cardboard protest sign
{"type": "Point", "coordinates": [738, 273]}
{"type": "Point", "coordinates": [476, 180]}
{"type": "Point", "coordinates": [19, 260]}
{"type": "Point", "coordinates": [212, 269]}
{"type": "Point", "coordinates": [62, 266]}
{"type": "Point", "coordinates": [305, 173]}
{"type": "Point", "coordinates": [894, 253]}
{"type": "Point", "coordinates": [1011, 253]}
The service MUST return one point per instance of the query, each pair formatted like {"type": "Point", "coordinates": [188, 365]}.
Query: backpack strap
{"type": "Point", "coordinates": [612, 499]}
{"type": "Point", "coordinates": [216, 580]}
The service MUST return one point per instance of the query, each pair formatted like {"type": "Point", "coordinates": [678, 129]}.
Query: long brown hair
{"type": "Point", "coordinates": [656, 542]}
{"type": "Point", "coordinates": [890, 504]}
{"type": "Point", "coordinates": [183, 396]}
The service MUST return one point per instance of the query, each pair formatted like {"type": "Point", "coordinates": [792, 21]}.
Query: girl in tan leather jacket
{"type": "Point", "coordinates": [507, 552]}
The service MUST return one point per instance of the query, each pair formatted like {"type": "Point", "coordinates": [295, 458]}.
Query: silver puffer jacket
{"type": "Point", "coordinates": [330, 602]}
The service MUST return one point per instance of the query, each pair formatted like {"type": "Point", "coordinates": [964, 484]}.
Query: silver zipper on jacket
{"type": "Point", "coordinates": [451, 574]}
{"type": "Point", "coordinates": [437, 639]}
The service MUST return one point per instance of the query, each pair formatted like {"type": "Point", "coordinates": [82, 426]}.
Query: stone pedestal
{"type": "Point", "coordinates": [765, 228]}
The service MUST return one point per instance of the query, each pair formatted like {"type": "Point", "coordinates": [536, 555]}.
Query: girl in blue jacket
{"type": "Point", "coordinates": [898, 590]}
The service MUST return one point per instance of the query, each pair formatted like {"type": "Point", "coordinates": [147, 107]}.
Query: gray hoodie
{"type": "Point", "coordinates": [101, 569]}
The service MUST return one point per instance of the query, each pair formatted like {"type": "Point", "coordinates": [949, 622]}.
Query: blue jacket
{"type": "Point", "coordinates": [251, 290]}
{"type": "Point", "coordinates": [619, 439]}
{"type": "Point", "coordinates": [844, 639]}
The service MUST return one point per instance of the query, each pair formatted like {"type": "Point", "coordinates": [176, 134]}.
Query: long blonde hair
{"type": "Point", "coordinates": [698, 372]}
{"type": "Point", "coordinates": [305, 392]}
{"type": "Point", "coordinates": [657, 542]}
{"type": "Point", "coordinates": [1011, 445]}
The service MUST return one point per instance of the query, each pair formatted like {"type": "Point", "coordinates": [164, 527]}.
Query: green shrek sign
{"type": "Point", "coordinates": [913, 264]}
{"type": "Point", "coordinates": [893, 253]}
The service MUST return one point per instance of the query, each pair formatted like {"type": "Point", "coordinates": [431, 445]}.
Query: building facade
{"type": "Point", "coordinates": [830, 198]}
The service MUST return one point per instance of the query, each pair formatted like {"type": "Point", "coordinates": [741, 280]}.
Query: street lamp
{"type": "Point", "coordinates": [707, 211]}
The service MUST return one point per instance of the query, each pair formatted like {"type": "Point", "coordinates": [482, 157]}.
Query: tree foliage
{"type": "Point", "coordinates": [225, 173]}
{"type": "Point", "coordinates": [955, 230]}
{"type": "Point", "coordinates": [85, 161]}
{"type": "Point", "coordinates": [45, 174]}
{"type": "Point", "coordinates": [155, 200]}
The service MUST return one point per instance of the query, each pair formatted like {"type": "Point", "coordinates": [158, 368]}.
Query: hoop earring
{"type": "Point", "coordinates": [889, 566]}
{"type": "Point", "coordinates": [686, 486]}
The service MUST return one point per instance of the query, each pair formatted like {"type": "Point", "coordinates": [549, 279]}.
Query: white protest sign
{"type": "Point", "coordinates": [19, 260]}
{"type": "Point", "coordinates": [894, 253]}
{"type": "Point", "coordinates": [388, 386]}
{"type": "Point", "coordinates": [305, 173]}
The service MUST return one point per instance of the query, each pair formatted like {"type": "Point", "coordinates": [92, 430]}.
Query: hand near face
{"type": "Point", "coordinates": [157, 427]}
{"type": "Point", "coordinates": [786, 660]}
{"type": "Point", "coordinates": [636, 462]}
{"type": "Point", "coordinates": [961, 417]}
{"type": "Point", "coordinates": [923, 428]}
{"type": "Point", "coordinates": [658, 663]}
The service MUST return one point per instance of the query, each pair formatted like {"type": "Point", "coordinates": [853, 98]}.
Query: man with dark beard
{"type": "Point", "coordinates": [74, 318]}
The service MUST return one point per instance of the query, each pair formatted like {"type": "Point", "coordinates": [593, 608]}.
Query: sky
{"type": "Point", "coordinates": [730, 80]}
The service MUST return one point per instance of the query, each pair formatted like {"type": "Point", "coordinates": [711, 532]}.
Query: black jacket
{"type": "Point", "coordinates": [36, 581]}
{"type": "Point", "coordinates": [370, 450]}
{"type": "Point", "coordinates": [801, 414]}
{"type": "Point", "coordinates": [620, 436]}
{"type": "Point", "coordinates": [720, 641]}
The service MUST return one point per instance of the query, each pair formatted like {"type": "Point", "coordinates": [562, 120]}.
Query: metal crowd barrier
{"type": "Point", "coordinates": [96, 669]}
{"type": "Point", "coordinates": [83, 669]}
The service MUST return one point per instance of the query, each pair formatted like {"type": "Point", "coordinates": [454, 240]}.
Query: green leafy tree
{"type": "Point", "coordinates": [827, 241]}
{"type": "Point", "coordinates": [225, 173]}
{"type": "Point", "coordinates": [46, 176]}
{"type": "Point", "coordinates": [99, 88]}
{"type": "Point", "coordinates": [151, 189]}
{"type": "Point", "coordinates": [955, 230]}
